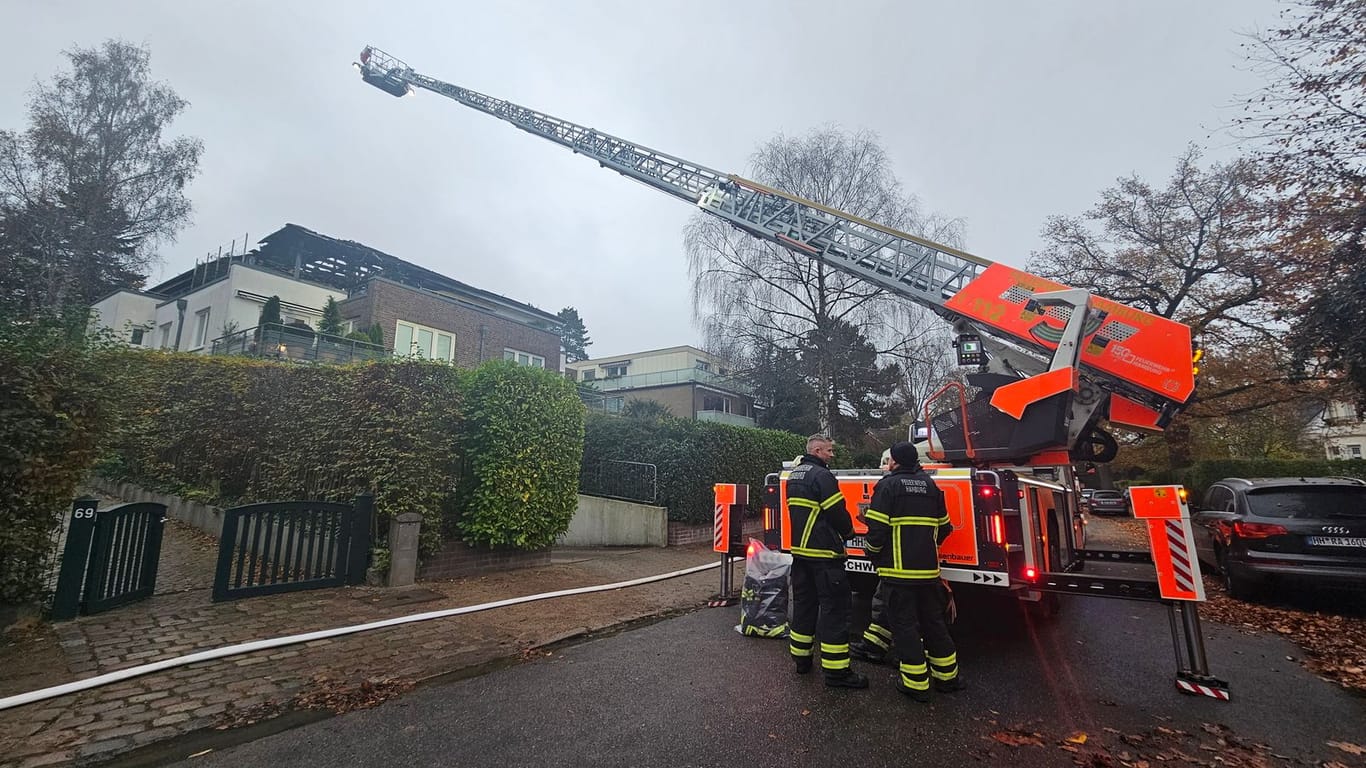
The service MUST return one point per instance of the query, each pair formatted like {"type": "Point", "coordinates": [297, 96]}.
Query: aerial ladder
{"type": "Point", "coordinates": [1053, 364]}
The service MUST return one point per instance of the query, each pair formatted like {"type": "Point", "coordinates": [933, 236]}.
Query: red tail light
{"type": "Point", "coordinates": [1031, 574]}
{"type": "Point", "coordinates": [986, 491]}
{"type": "Point", "coordinates": [1258, 530]}
{"type": "Point", "coordinates": [998, 530]}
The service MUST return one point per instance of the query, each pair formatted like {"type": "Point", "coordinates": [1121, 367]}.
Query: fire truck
{"type": "Point", "coordinates": [1049, 369]}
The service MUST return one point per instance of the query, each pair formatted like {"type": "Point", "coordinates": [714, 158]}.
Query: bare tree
{"type": "Point", "coordinates": [91, 188]}
{"type": "Point", "coordinates": [749, 294]}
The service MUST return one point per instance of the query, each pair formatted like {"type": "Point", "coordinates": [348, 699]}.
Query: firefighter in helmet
{"type": "Point", "coordinates": [877, 638]}
{"type": "Point", "coordinates": [907, 521]}
{"type": "Point", "coordinates": [821, 600]}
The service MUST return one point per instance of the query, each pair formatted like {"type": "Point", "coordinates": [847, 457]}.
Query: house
{"type": "Point", "coordinates": [688, 381]}
{"type": "Point", "coordinates": [216, 307]}
{"type": "Point", "coordinates": [1343, 431]}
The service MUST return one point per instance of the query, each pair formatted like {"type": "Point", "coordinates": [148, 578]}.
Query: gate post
{"type": "Point", "coordinates": [403, 538]}
{"type": "Point", "coordinates": [66, 602]}
{"type": "Point", "coordinates": [359, 554]}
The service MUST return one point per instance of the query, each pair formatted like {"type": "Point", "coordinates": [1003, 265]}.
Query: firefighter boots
{"type": "Point", "coordinates": [949, 686]}
{"type": "Point", "coordinates": [922, 697]}
{"type": "Point", "coordinates": [801, 665]}
{"type": "Point", "coordinates": [868, 652]}
{"type": "Point", "coordinates": [849, 679]}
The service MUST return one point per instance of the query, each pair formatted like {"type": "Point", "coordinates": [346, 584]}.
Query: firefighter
{"type": "Point", "coordinates": [877, 638]}
{"type": "Point", "coordinates": [821, 601]}
{"type": "Point", "coordinates": [907, 521]}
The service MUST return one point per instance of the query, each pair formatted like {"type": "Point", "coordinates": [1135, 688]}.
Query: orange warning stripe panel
{"type": "Point", "coordinates": [725, 500]}
{"type": "Point", "coordinates": [1173, 550]}
{"type": "Point", "coordinates": [1134, 415]}
{"type": "Point", "coordinates": [725, 493]}
{"type": "Point", "coordinates": [1016, 396]}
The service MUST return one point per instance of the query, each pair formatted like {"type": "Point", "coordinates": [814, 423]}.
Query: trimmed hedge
{"type": "Point", "coordinates": [1199, 476]}
{"type": "Point", "coordinates": [57, 404]}
{"type": "Point", "coordinates": [524, 441]}
{"type": "Point", "coordinates": [691, 456]}
{"type": "Point", "coordinates": [234, 430]}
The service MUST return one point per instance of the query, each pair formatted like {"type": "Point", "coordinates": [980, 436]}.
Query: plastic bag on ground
{"type": "Point", "coordinates": [763, 598]}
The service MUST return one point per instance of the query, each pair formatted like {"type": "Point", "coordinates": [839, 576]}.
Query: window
{"type": "Point", "coordinates": [715, 403]}
{"type": "Point", "coordinates": [136, 337]}
{"type": "Point", "coordinates": [165, 335]}
{"type": "Point", "coordinates": [421, 341]}
{"type": "Point", "coordinates": [524, 358]}
{"type": "Point", "coordinates": [703, 365]}
{"type": "Point", "coordinates": [201, 327]}
{"type": "Point", "coordinates": [613, 371]}
{"type": "Point", "coordinates": [613, 404]}
{"type": "Point", "coordinates": [1354, 450]}
{"type": "Point", "coordinates": [590, 374]}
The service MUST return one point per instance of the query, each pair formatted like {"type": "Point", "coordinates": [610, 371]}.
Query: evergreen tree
{"type": "Point", "coordinates": [376, 334]}
{"type": "Point", "coordinates": [574, 339]}
{"type": "Point", "coordinates": [270, 312]}
{"type": "Point", "coordinates": [331, 324]}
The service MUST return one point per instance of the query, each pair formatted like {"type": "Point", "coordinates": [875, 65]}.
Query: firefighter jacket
{"type": "Point", "coordinates": [815, 507]}
{"type": "Point", "coordinates": [907, 521]}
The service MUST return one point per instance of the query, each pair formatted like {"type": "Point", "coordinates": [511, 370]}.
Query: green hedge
{"type": "Point", "coordinates": [524, 441]}
{"type": "Point", "coordinates": [691, 456]}
{"type": "Point", "coordinates": [57, 404]}
{"type": "Point", "coordinates": [235, 430]}
{"type": "Point", "coordinates": [1199, 476]}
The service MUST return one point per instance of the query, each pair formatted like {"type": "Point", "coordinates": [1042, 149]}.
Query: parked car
{"type": "Point", "coordinates": [1109, 503]}
{"type": "Point", "coordinates": [1086, 499]}
{"type": "Point", "coordinates": [1259, 530]}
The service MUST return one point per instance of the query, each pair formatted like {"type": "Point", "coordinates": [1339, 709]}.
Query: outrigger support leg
{"type": "Point", "coordinates": [1192, 668]}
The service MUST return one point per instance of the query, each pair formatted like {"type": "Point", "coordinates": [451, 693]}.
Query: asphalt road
{"type": "Point", "coordinates": [691, 692]}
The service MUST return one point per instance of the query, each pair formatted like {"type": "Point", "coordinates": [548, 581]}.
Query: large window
{"type": "Point", "coordinates": [411, 339]}
{"type": "Point", "coordinates": [201, 327]}
{"type": "Point", "coordinates": [613, 371]}
{"type": "Point", "coordinates": [524, 358]}
{"type": "Point", "coordinates": [165, 335]}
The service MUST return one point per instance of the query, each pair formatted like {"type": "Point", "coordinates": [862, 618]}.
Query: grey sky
{"type": "Point", "coordinates": [999, 112]}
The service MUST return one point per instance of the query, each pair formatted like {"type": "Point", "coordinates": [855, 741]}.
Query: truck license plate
{"type": "Point", "coordinates": [1336, 541]}
{"type": "Point", "coordinates": [859, 566]}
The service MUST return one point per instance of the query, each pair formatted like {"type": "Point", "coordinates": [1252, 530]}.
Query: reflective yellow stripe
{"type": "Point", "coordinates": [899, 573]}
{"type": "Point", "coordinates": [914, 669]}
{"type": "Point", "coordinates": [877, 517]}
{"type": "Point", "coordinates": [833, 500]}
{"type": "Point", "coordinates": [897, 522]}
{"type": "Point", "coordinates": [821, 553]}
{"type": "Point", "coordinates": [806, 531]}
{"type": "Point", "coordinates": [870, 548]}
{"type": "Point", "coordinates": [800, 502]}
{"type": "Point", "coordinates": [944, 662]}
{"type": "Point", "coordinates": [799, 637]}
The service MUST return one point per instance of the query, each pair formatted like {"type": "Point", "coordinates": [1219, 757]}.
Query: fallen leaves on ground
{"type": "Point", "coordinates": [1214, 746]}
{"type": "Point", "coordinates": [1349, 748]}
{"type": "Point", "coordinates": [1335, 646]}
{"type": "Point", "coordinates": [337, 696]}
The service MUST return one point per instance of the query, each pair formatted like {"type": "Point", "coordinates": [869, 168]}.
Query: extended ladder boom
{"type": "Point", "coordinates": [1148, 364]}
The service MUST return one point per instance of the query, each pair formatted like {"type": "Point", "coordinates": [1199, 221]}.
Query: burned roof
{"type": "Point", "coordinates": [341, 264]}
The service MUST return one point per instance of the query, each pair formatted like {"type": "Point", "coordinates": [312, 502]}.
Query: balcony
{"type": "Point", "coordinates": [287, 342]}
{"type": "Point", "coordinates": [724, 417]}
{"type": "Point", "coordinates": [666, 378]}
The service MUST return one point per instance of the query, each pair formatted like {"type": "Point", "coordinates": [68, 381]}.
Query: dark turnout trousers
{"type": "Point", "coordinates": [821, 607]}
{"type": "Point", "coordinates": [916, 611]}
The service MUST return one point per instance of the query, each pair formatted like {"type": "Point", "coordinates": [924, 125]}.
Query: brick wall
{"type": "Point", "coordinates": [681, 534]}
{"type": "Point", "coordinates": [387, 302]}
{"type": "Point", "coordinates": [458, 560]}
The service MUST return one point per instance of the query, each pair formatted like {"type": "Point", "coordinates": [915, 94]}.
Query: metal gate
{"type": "Point", "coordinates": [110, 558]}
{"type": "Point", "coordinates": [292, 545]}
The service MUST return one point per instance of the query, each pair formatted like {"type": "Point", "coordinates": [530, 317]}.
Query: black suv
{"type": "Point", "coordinates": [1261, 529]}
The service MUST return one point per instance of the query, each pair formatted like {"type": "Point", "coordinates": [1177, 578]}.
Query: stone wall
{"type": "Point", "coordinates": [601, 522]}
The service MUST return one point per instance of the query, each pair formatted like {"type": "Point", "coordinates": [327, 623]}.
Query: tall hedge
{"type": "Point", "coordinates": [57, 405]}
{"type": "Point", "coordinates": [523, 435]}
{"type": "Point", "coordinates": [692, 456]}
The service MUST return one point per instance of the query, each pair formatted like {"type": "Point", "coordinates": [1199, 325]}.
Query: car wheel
{"type": "Point", "coordinates": [1237, 587]}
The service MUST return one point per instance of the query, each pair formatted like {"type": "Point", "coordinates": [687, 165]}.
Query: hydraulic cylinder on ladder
{"type": "Point", "coordinates": [1053, 362]}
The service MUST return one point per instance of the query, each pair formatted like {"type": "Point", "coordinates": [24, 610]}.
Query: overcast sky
{"type": "Point", "coordinates": [999, 112]}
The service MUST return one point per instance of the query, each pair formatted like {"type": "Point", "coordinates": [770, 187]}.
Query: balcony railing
{"type": "Point", "coordinates": [664, 378]}
{"type": "Point", "coordinates": [289, 342]}
{"type": "Point", "coordinates": [725, 417]}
